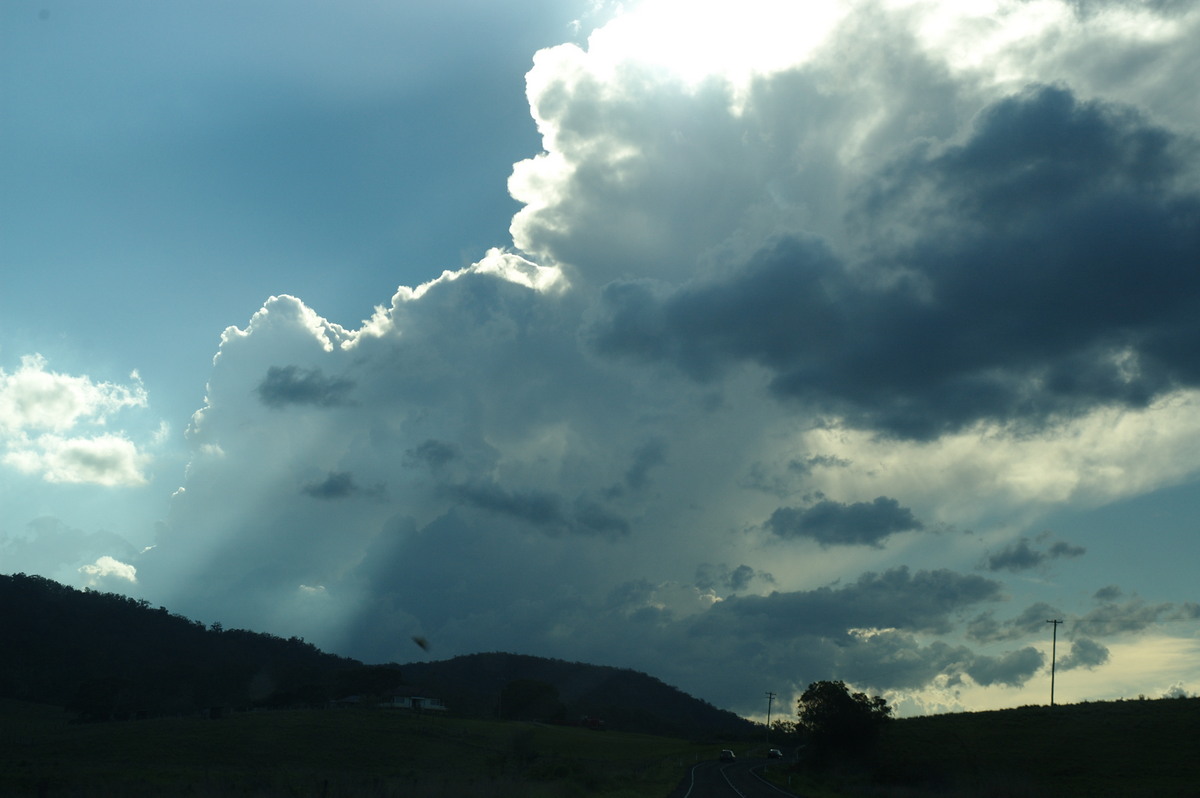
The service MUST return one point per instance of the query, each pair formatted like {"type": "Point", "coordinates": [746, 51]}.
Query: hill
{"type": "Point", "coordinates": [106, 656]}
{"type": "Point", "coordinates": [519, 686]}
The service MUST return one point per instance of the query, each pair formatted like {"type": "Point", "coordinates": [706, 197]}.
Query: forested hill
{"type": "Point", "coordinates": [103, 655]}
{"type": "Point", "coordinates": [519, 686]}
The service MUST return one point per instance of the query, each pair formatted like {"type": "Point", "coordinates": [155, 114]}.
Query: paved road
{"type": "Point", "coordinates": [715, 779]}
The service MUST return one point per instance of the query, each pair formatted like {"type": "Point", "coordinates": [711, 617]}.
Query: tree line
{"type": "Point", "coordinates": [105, 655]}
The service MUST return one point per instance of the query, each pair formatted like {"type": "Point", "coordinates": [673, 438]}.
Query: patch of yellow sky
{"type": "Point", "coordinates": [1107, 455]}
{"type": "Point", "coordinates": [1153, 665]}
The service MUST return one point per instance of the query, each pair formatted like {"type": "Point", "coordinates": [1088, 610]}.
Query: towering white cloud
{"type": "Point", "coordinates": [782, 329]}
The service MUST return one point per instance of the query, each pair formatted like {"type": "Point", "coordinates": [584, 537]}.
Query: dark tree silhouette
{"type": "Point", "coordinates": [530, 699]}
{"type": "Point", "coordinates": [837, 720]}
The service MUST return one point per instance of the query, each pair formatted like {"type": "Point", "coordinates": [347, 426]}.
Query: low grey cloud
{"type": "Point", "coordinates": [1022, 556]}
{"type": "Point", "coordinates": [432, 454]}
{"type": "Point", "coordinates": [337, 485]}
{"type": "Point", "coordinates": [1134, 615]}
{"type": "Point", "coordinates": [1084, 653]}
{"type": "Point", "coordinates": [724, 579]}
{"type": "Point", "coordinates": [1012, 669]}
{"type": "Point", "coordinates": [807, 465]}
{"type": "Point", "coordinates": [833, 523]}
{"type": "Point", "coordinates": [1109, 619]}
{"type": "Point", "coordinates": [924, 601]}
{"type": "Point", "coordinates": [541, 509]}
{"type": "Point", "coordinates": [648, 456]}
{"type": "Point", "coordinates": [292, 385]}
{"type": "Point", "coordinates": [985, 628]}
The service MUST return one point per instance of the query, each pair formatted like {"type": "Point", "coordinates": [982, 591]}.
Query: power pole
{"type": "Point", "coordinates": [770, 698]}
{"type": "Point", "coordinates": [1053, 656]}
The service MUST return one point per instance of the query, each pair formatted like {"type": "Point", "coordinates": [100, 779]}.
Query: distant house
{"type": "Point", "coordinates": [412, 702]}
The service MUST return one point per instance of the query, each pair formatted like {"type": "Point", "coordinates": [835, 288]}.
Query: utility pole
{"type": "Point", "coordinates": [770, 698]}
{"type": "Point", "coordinates": [1053, 656]}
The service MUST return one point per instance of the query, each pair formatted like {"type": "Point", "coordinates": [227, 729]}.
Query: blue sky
{"type": "Point", "coordinates": [738, 345]}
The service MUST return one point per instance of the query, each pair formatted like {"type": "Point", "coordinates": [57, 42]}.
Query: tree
{"type": "Point", "coordinates": [837, 720]}
{"type": "Point", "coordinates": [530, 699]}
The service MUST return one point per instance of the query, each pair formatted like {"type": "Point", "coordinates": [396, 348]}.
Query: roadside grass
{"type": "Point", "coordinates": [1132, 749]}
{"type": "Point", "coordinates": [329, 753]}
{"type": "Point", "coordinates": [1127, 748]}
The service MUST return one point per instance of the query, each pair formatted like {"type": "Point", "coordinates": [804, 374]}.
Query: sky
{"type": "Point", "coordinates": [740, 344]}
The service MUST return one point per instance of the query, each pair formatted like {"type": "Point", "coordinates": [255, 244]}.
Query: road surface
{"type": "Point", "coordinates": [741, 779]}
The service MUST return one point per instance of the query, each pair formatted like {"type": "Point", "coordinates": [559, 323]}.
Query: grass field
{"type": "Point", "coordinates": [329, 753]}
{"type": "Point", "coordinates": [1130, 749]}
{"type": "Point", "coordinates": [1126, 748]}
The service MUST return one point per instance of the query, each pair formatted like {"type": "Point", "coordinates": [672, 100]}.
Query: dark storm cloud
{"type": "Point", "coordinates": [924, 601]}
{"type": "Point", "coordinates": [895, 660]}
{"type": "Point", "coordinates": [985, 628]}
{"type": "Point", "coordinates": [648, 455]}
{"type": "Point", "coordinates": [432, 454]}
{"type": "Point", "coordinates": [1022, 556]}
{"type": "Point", "coordinates": [1134, 615]}
{"type": "Point", "coordinates": [1044, 266]}
{"type": "Point", "coordinates": [1084, 653]}
{"type": "Point", "coordinates": [1110, 618]}
{"type": "Point", "coordinates": [783, 308]}
{"type": "Point", "coordinates": [1064, 549]}
{"type": "Point", "coordinates": [292, 385]}
{"type": "Point", "coordinates": [724, 579]}
{"type": "Point", "coordinates": [807, 465]}
{"type": "Point", "coordinates": [867, 632]}
{"type": "Point", "coordinates": [1012, 669]}
{"type": "Point", "coordinates": [533, 507]}
{"type": "Point", "coordinates": [1018, 556]}
{"type": "Point", "coordinates": [740, 578]}
{"type": "Point", "coordinates": [593, 518]}
{"type": "Point", "coordinates": [832, 523]}
{"type": "Point", "coordinates": [337, 485]}
{"type": "Point", "coordinates": [542, 510]}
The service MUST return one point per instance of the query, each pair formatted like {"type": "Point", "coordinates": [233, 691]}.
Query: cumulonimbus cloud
{"type": "Point", "coordinates": [729, 296]}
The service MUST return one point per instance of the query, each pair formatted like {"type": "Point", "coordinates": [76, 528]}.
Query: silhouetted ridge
{"type": "Point", "coordinates": [624, 699]}
{"type": "Point", "coordinates": [107, 656]}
